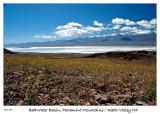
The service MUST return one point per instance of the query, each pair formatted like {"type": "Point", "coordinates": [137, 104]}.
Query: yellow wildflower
{"type": "Point", "coordinates": [29, 77]}
{"type": "Point", "coordinates": [129, 84]}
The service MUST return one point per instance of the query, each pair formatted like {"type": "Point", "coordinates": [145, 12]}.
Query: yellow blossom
{"type": "Point", "coordinates": [29, 77]}
{"type": "Point", "coordinates": [129, 84]}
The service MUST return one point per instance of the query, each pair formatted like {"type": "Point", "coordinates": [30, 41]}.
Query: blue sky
{"type": "Point", "coordinates": [48, 22]}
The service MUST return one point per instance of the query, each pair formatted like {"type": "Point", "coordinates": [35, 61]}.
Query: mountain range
{"type": "Point", "coordinates": [118, 40]}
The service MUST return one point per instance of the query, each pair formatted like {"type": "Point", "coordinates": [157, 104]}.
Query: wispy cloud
{"type": "Point", "coordinates": [44, 36]}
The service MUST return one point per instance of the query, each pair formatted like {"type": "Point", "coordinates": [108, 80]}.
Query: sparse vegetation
{"type": "Point", "coordinates": [51, 80]}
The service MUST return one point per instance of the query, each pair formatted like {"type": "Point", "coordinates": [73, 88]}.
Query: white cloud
{"type": "Point", "coordinates": [72, 32]}
{"type": "Point", "coordinates": [140, 31]}
{"type": "Point", "coordinates": [134, 30]}
{"type": "Point", "coordinates": [128, 28]}
{"type": "Point", "coordinates": [120, 21]}
{"type": "Point", "coordinates": [44, 36]}
{"type": "Point", "coordinates": [69, 25]}
{"type": "Point", "coordinates": [128, 22]}
{"type": "Point", "coordinates": [108, 28]}
{"type": "Point", "coordinates": [153, 21]}
{"type": "Point", "coordinates": [116, 26]}
{"type": "Point", "coordinates": [37, 36]}
{"type": "Point", "coordinates": [47, 36]}
{"type": "Point", "coordinates": [93, 29]}
{"type": "Point", "coordinates": [123, 33]}
{"type": "Point", "coordinates": [74, 24]}
{"type": "Point", "coordinates": [147, 24]}
{"type": "Point", "coordinates": [96, 23]}
{"type": "Point", "coordinates": [98, 35]}
{"type": "Point", "coordinates": [73, 29]}
{"type": "Point", "coordinates": [113, 34]}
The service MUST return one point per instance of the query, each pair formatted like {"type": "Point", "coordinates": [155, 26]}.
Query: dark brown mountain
{"type": "Point", "coordinates": [6, 51]}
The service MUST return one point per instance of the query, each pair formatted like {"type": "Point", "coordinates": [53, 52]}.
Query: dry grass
{"type": "Point", "coordinates": [41, 80]}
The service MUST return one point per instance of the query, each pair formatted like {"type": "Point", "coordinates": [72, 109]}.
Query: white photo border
{"type": "Point", "coordinates": [25, 109]}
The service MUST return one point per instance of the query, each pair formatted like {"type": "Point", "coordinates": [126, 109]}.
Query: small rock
{"type": "Point", "coordinates": [60, 95]}
{"type": "Point", "coordinates": [53, 101]}
{"type": "Point", "coordinates": [123, 97]}
{"type": "Point", "coordinates": [66, 99]}
{"type": "Point", "coordinates": [102, 87]}
{"type": "Point", "coordinates": [93, 102]}
{"type": "Point", "coordinates": [93, 92]}
{"type": "Point", "coordinates": [103, 100]}
{"type": "Point", "coordinates": [11, 92]}
{"type": "Point", "coordinates": [82, 93]}
{"type": "Point", "coordinates": [21, 72]}
{"type": "Point", "coordinates": [87, 104]}
{"type": "Point", "coordinates": [97, 97]}
{"type": "Point", "coordinates": [20, 103]}
{"type": "Point", "coordinates": [39, 72]}
{"type": "Point", "coordinates": [110, 104]}
{"type": "Point", "coordinates": [151, 103]}
{"type": "Point", "coordinates": [17, 73]}
{"type": "Point", "coordinates": [140, 103]}
{"type": "Point", "coordinates": [61, 104]}
{"type": "Point", "coordinates": [130, 74]}
{"type": "Point", "coordinates": [53, 91]}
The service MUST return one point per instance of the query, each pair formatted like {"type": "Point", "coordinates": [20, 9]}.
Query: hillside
{"type": "Point", "coordinates": [6, 51]}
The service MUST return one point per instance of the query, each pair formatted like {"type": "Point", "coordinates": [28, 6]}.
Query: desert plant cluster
{"type": "Point", "coordinates": [51, 80]}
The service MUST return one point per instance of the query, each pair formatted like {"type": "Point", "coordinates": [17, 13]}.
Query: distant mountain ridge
{"type": "Point", "coordinates": [125, 40]}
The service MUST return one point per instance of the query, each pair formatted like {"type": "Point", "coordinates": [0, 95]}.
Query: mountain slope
{"type": "Point", "coordinates": [6, 51]}
{"type": "Point", "coordinates": [127, 40]}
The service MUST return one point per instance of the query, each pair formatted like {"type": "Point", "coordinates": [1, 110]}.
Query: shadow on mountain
{"type": "Point", "coordinates": [6, 51]}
